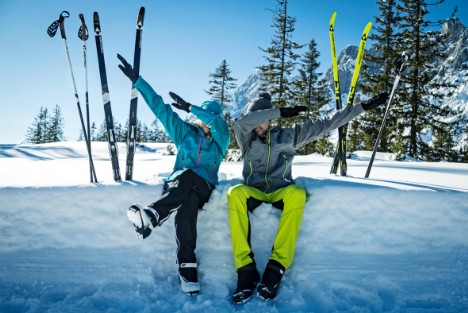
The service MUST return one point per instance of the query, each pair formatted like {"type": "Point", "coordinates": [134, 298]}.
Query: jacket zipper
{"type": "Point", "coordinates": [211, 169]}
{"type": "Point", "coordinates": [250, 164]}
{"type": "Point", "coordinates": [268, 161]}
{"type": "Point", "coordinates": [200, 149]}
{"type": "Point", "coordinates": [285, 165]}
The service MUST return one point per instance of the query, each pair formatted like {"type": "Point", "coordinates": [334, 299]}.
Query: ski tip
{"type": "Point", "coordinates": [332, 19]}
{"type": "Point", "coordinates": [368, 27]}
{"type": "Point", "coordinates": [141, 17]}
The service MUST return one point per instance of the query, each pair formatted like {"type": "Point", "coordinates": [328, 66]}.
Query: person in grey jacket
{"type": "Point", "coordinates": [268, 152]}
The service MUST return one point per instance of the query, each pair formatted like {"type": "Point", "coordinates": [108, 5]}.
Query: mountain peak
{"type": "Point", "coordinates": [453, 26]}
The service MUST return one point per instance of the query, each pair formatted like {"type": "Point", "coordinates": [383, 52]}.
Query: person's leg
{"type": "Point", "coordinates": [282, 256]}
{"type": "Point", "coordinates": [186, 231]}
{"type": "Point", "coordinates": [242, 199]}
{"type": "Point", "coordinates": [238, 197]}
{"type": "Point", "coordinates": [145, 219]}
{"type": "Point", "coordinates": [294, 199]}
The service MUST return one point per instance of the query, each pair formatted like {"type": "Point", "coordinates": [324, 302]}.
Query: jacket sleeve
{"type": "Point", "coordinates": [312, 130]}
{"type": "Point", "coordinates": [244, 125]}
{"type": "Point", "coordinates": [176, 128]}
{"type": "Point", "coordinates": [218, 126]}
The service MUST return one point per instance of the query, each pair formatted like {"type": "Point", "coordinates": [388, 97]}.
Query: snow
{"type": "Point", "coordinates": [396, 242]}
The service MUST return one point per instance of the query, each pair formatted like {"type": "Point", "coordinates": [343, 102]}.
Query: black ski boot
{"type": "Point", "coordinates": [144, 220]}
{"type": "Point", "coordinates": [271, 279]}
{"type": "Point", "coordinates": [189, 278]}
{"type": "Point", "coordinates": [247, 280]}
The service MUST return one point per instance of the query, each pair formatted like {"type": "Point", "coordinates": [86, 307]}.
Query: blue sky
{"type": "Point", "coordinates": [183, 42]}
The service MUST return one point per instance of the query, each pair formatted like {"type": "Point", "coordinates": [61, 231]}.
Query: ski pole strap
{"type": "Point", "coordinates": [52, 29]}
{"type": "Point", "coordinates": [83, 31]}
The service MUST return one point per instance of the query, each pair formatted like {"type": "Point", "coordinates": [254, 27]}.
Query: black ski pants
{"type": "Point", "coordinates": [184, 195]}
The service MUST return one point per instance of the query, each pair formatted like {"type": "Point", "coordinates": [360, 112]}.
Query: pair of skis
{"type": "Point", "coordinates": [339, 159]}
{"type": "Point", "coordinates": [131, 138]}
{"type": "Point", "coordinates": [83, 35]}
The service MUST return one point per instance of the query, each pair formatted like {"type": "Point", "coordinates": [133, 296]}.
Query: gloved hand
{"type": "Point", "coordinates": [180, 104]}
{"type": "Point", "coordinates": [127, 69]}
{"type": "Point", "coordinates": [376, 101]}
{"type": "Point", "coordinates": [291, 112]}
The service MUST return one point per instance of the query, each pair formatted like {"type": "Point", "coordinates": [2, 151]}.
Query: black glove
{"type": "Point", "coordinates": [291, 112]}
{"type": "Point", "coordinates": [127, 69]}
{"type": "Point", "coordinates": [180, 104]}
{"type": "Point", "coordinates": [376, 101]}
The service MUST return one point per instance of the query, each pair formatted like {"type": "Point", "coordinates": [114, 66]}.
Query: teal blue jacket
{"type": "Point", "coordinates": [195, 150]}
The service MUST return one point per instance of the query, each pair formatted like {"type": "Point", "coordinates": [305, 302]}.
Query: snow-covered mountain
{"type": "Point", "coordinates": [247, 91]}
{"type": "Point", "coordinates": [453, 69]}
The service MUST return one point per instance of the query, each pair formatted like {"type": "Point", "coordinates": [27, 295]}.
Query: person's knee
{"type": "Point", "coordinates": [237, 191]}
{"type": "Point", "coordinates": [295, 198]}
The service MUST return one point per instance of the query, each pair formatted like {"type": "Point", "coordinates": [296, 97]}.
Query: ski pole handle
{"type": "Point", "coordinates": [83, 31]}
{"type": "Point", "coordinates": [63, 16]}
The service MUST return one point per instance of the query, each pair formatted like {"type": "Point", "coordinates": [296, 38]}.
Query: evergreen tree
{"type": "Point", "coordinates": [46, 128]}
{"type": "Point", "coordinates": [102, 133]}
{"type": "Point", "coordinates": [310, 91]}
{"type": "Point", "coordinates": [420, 95]}
{"type": "Point", "coordinates": [120, 132]}
{"type": "Point", "coordinates": [378, 76]}
{"type": "Point", "coordinates": [55, 129]}
{"type": "Point", "coordinates": [36, 133]}
{"type": "Point", "coordinates": [93, 131]}
{"type": "Point", "coordinates": [221, 83]}
{"type": "Point", "coordinates": [281, 58]}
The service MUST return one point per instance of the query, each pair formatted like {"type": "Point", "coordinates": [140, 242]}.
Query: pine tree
{"type": "Point", "coordinates": [102, 133]}
{"type": "Point", "coordinates": [281, 58]}
{"type": "Point", "coordinates": [310, 91]}
{"type": "Point", "coordinates": [46, 128]}
{"type": "Point", "coordinates": [93, 131]}
{"type": "Point", "coordinates": [55, 129]}
{"type": "Point", "coordinates": [378, 76]}
{"type": "Point", "coordinates": [36, 133]}
{"type": "Point", "coordinates": [420, 95]}
{"type": "Point", "coordinates": [221, 83]}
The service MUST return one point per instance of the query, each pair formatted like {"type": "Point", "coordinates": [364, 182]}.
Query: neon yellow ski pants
{"type": "Point", "coordinates": [294, 199]}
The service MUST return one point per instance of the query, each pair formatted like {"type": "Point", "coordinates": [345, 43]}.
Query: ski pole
{"type": "Point", "coordinates": [401, 62]}
{"type": "Point", "coordinates": [51, 31]}
{"type": "Point", "coordinates": [83, 35]}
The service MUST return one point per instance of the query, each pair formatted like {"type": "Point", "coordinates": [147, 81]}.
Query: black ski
{"type": "Point", "coordinates": [400, 65]}
{"type": "Point", "coordinates": [132, 120]}
{"type": "Point", "coordinates": [106, 99]}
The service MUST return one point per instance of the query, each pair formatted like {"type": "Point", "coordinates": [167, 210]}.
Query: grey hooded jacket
{"type": "Point", "coordinates": [268, 159]}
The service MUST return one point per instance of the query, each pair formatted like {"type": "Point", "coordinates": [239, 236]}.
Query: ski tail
{"type": "Point", "coordinates": [113, 151]}
{"type": "Point", "coordinates": [132, 127]}
{"type": "Point", "coordinates": [400, 66]}
{"type": "Point", "coordinates": [342, 131]}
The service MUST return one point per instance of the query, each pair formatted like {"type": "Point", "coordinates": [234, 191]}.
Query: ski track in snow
{"type": "Point", "coordinates": [397, 242]}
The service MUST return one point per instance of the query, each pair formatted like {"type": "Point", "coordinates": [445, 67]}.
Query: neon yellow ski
{"type": "Point", "coordinates": [339, 159]}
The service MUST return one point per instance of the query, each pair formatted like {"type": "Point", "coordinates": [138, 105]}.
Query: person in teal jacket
{"type": "Point", "coordinates": [201, 147]}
